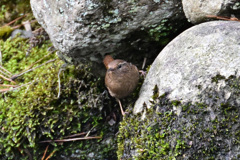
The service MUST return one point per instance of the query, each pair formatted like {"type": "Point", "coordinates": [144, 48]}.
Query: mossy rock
{"type": "Point", "coordinates": [176, 130]}
{"type": "Point", "coordinates": [39, 110]}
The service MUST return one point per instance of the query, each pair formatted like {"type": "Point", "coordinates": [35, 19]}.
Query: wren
{"type": "Point", "coordinates": [121, 78]}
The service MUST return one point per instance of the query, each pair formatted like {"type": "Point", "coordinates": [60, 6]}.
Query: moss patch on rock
{"type": "Point", "coordinates": [175, 130]}
{"type": "Point", "coordinates": [36, 110]}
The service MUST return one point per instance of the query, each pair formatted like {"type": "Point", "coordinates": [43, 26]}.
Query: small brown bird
{"type": "Point", "coordinates": [121, 78]}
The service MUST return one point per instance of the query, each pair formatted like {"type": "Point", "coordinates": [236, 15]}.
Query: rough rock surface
{"type": "Point", "coordinates": [186, 66]}
{"type": "Point", "coordinates": [89, 29]}
{"type": "Point", "coordinates": [194, 109]}
{"type": "Point", "coordinates": [175, 130]}
{"type": "Point", "coordinates": [197, 10]}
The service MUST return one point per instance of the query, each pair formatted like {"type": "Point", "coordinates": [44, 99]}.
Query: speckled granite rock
{"type": "Point", "coordinates": [86, 30]}
{"type": "Point", "coordinates": [197, 10]}
{"type": "Point", "coordinates": [186, 66]}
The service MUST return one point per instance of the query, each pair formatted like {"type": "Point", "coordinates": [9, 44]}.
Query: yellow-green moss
{"type": "Point", "coordinates": [5, 31]}
{"type": "Point", "coordinates": [208, 130]}
{"type": "Point", "coordinates": [34, 112]}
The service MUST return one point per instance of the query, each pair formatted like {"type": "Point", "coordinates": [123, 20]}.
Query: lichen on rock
{"type": "Point", "coordinates": [176, 130]}
{"type": "Point", "coordinates": [88, 30]}
{"type": "Point", "coordinates": [184, 68]}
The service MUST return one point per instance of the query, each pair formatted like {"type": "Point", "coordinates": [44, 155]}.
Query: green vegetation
{"type": "Point", "coordinates": [5, 31]}
{"type": "Point", "coordinates": [161, 31]}
{"type": "Point", "coordinates": [208, 130]}
{"type": "Point", "coordinates": [33, 111]}
{"type": "Point", "coordinates": [11, 9]}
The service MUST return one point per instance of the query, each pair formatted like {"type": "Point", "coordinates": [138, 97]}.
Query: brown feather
{"type": "Point", "coordinates": [121, 78]}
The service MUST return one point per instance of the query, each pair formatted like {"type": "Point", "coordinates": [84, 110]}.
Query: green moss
{"type": "Point", "coordinates": [217, 78]}
{"type": "Point", "coordinates": [13, 9]}
{"type": "Point", "coordinates": [197, 133]}
{"type": "Point", "coordinates": [161, 31]}
{"type": "Point", "coordinates": [5, 32]}
{"type": "Point", "coordinates": [33, 112]}
{"type": "Point", "coordinates": [176, 103]}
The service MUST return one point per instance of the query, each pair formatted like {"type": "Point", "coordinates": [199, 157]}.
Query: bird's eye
{"type": "Point", "coordinates": [119, 66]}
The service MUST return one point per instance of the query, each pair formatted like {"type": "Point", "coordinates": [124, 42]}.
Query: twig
{"type": "Point", "coordinates": [18, 26]}
{"type": "Point", "coordinates": [71, 139]}
{"type": "Point", "coordinates": [51, 155]}
{"type": "Point", "coordinates": [59, 84]}
{"type": "Point", "coordinates": [15, 20]}
{"type": "Point", "coordinates": [8, 85]}
{"type": "Point", "coordinates": [5, 74]}
{"type": "Point", "coordinates": [45, 153]}
{"type": "Point", "coordinates": [11, 89]}
{"type": "Point", "coordinates": [37, 61]}
{"type": "Point", "coordinates": [144, 62]}
{"type": "Point", "coordinates": [10, 80]}
{"type": "Point", "coordinates": [75, 135]}
{"type": "Point", "coordinates": [223, 18]}
{"type": "Point", "coordinates": [10, 74]}
{"type": "Point", "coordinates": [4, 90]}
{"type": "Point", "coordinates": [90, 131]}
{"type": "Point", "coordinates": [59, 80]}
{"type": "Point", "coordinates": [18, 75]}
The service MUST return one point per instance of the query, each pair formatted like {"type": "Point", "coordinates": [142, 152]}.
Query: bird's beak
{"type": "Point", "coordinates": [110, 69]}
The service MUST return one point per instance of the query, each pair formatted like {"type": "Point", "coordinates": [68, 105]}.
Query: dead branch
{"type": "Point", "coordinates": [18, 75]}
{"type": "Point", "coordinates": [10, 80]}
{"type": "Point", "coordinates": [45, 153]}
{"type": "Point", "coordinates": [51, 155]}
{"type": "Point", "coordinates": [75, 135]}
{"type": "Point", "coordinates": [9, 85]}
{"type": "Point", "coordinates": [144, 62]}
{"type": "Point", "coordinates": [18, 26]}
{"type": "Point", "coordinates": [10, 74]}
{"type": "Point", "coordinates": [15, 20]}
{"type": "Point", "coordinates": [15, 88]}
{"type": "Point", "coordinates": [223, 18]}
{"type": "Point", "coordinates": [37, 61]}
{"type": "Point", "coordinates": [71, 139]}
{"type": "Point", "coordinates": [59, 79]}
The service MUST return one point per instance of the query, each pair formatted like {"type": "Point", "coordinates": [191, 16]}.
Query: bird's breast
{"type": "Point", "coordinates": [121, 83]}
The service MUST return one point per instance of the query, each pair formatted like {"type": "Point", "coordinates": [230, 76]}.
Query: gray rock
{"type": "Point", "coordinates": [186, 67]}
{"type": "Point", "coordinates": [208, 130]}
{"type": "Point", "coordinates": [86, 30]}
{"type": "Point", "coordinates": [197, 10]}
{"type": "Point", "coordinates": [194, 111]}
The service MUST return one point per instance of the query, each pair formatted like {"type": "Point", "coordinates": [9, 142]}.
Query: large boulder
{"type": "Point", "coordinates": [199, 11]}
{"type": "Point", "coordinates": [87, 30]}
{"type": "Point", "coordinates": [191, 97]}
{"type": "Point", "coordinates": [186, 66]}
